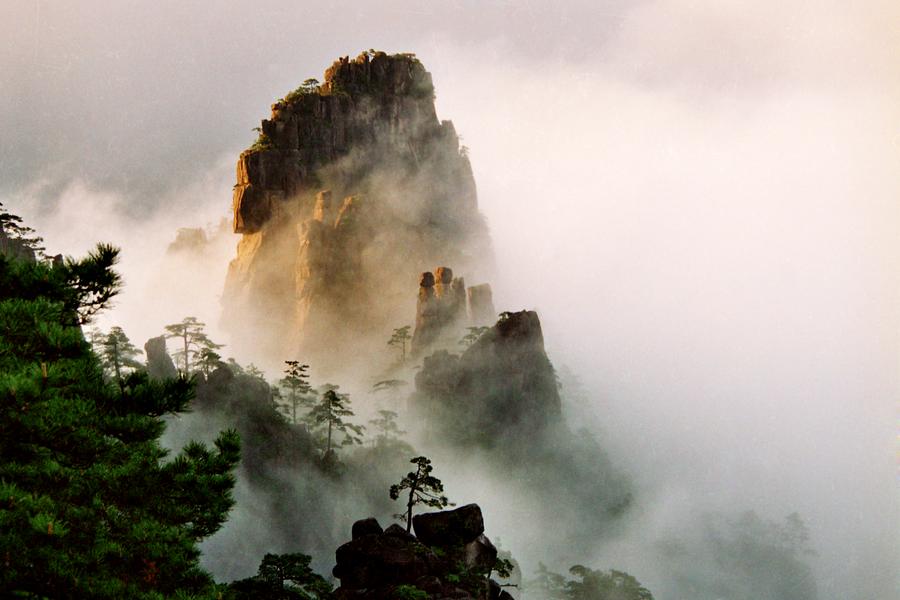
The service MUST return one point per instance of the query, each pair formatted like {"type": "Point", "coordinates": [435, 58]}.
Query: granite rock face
{"type": "Point", "coordinates": [159, 363]}
{"type": "Point", "coordinates": [353, 186]}
{"type": "Point", "coordinates": [445, 308]}
{"type": "Point", "coordinates": [15, 248]}
{"type": "Point", "coordinates": [502, 386]}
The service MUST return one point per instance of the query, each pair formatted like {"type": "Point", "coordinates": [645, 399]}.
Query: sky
{"type": "Point", "coordinates": [699, 198]}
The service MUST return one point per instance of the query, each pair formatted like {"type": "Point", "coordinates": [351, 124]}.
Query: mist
{"type": "Point", "coordinates": [700, 202]}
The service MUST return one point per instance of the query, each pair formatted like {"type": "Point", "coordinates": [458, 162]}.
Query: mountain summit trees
{"type": "Point", "coordinates": [193, 341]}
{"type": "Point", "coordinates": [90, 506]}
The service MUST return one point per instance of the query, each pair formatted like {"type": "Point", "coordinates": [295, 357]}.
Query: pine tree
{"type": "Point", "coordinates": [388, 436]}
{"type": "Point", "coordinates": [328, 416]}
{"type": "Point", "coordinates": [192, 339]}
{"type": "Point", "coordinates": [90, 505]}
{"type": "Point", "coordinates": [282, 577]}
{"type": "Point", "coordinates": [399, 339]}
{"type": "Point", "coordinates": [296, 384]}
{"type": "Point", "coordinates": [16, 239]}
{"type": "Point", "coordinates": [424, 488]}
{"type": "Point", "coordinates": [209, 361]}
{"type": "Point", "coordinates": [118, 353]}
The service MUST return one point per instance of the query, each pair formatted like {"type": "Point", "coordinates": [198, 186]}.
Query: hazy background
{"type": "Point", "coordinates": [702, 199]}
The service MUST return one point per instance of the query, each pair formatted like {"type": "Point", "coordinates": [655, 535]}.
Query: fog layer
{"type": "Point", "coordinates": [701, 202]}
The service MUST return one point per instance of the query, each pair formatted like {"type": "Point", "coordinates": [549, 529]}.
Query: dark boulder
{"type": "Point", "coordinates": [374, 561]}
{"type": "Point", "coordinates": [398, 531]}
{"type": "Point", "coordinates": [449, 527]}
{"type": "Point", "coordinates": [363, 527]}
{"type": "Point", "coordinates": [159, 363]}
{"type": "Point", "coordinates": [480, 554]}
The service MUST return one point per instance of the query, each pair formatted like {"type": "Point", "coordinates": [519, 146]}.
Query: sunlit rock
{"type": "Point", "coordinates": [328, 279]}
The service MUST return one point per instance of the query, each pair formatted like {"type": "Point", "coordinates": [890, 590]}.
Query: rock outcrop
{"type": "Point", "coordinates": [440, 309]}
{"type": "Point", "coordinates": [16, 248]}
{"type": "Point", "coordinates": [352, 188]}
{"type": "Point", "coordinates": [445, 307]}
{"type": "Point", "coordinates": [159, 363]}
{"type": "Point", "coordinates": [480, 302]}
{"type": "Point", "coordinates": [449, 557]}
{"type": "Point", "coordinates": [503, 385]}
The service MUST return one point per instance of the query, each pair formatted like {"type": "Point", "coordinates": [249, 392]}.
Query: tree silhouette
{"type": "Point", "coordinates": [329, 414]}
{"type": "Point", "coordinates": [193, 340]}
{"type": "Point", "coordinates": [209, 360]}
{"type": "Point", "coordinates": [282, 576]}
{"type": "Point", "coordinates": [388, 432]}
{"type": "Point", "coordinates": [254, 371]}
{"type": "Point", "coordinates": [296, 382]}
{"type": "Point", "coordinates": [117, 353]}
{"type": "Point", "coordinates": [423, 488]}
{"type": "Point", "coordinates": [14, 234]}
{"type": "Point", "coordinates": [399, 339]}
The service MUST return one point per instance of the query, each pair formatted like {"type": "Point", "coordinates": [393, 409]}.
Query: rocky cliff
{"type": "Point", "coordinates": [502, 387]}
{"type": "Point", "coordinates": [353, 186]}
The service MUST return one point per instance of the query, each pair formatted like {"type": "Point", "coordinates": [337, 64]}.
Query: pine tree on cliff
{"type": "Point", "coordinates": [296, 382]}
{"type": "Point", "coordinates": [90, 505]}
{"type": "Point", "coordinates": [15, 234]}
{"type": "Point", "coordinates": [424, 488]}
{"type": "Point", "coordinates": [329, 415]}
{"type": "Point", "coordinates": [400, 340]}
{"type": "Point", "coordinates": [209, 360]}
{"type": "Point", "coordinates": [192, 338]}
{"type": "Point", "coordinates": [118, 353]}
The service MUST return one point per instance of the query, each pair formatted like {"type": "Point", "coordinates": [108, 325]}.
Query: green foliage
{"type": "Point", "coordinates": [503, 567]}
{"type": "Point", "coordinates": [308, 88]}
{"type": "Point", "coordinates": [209, 360]}
{"type": "Point", "coordinates": [263, 142]}
{"type": "Point", "coordinates": [399, 339]}
{"type": "Point", "coordinates": [117, 353]}
{"type": "Point", "coordinates": [91, 506]}
{"type": "Point", "coordinates": [587, 585]}
{"type": "Point", "coordinates": [605, 585]}
{"type": "Point", "coordinates": [328, 416]}
{"type": "Point", "coordinates": [192, 341]}
{"type": "Point", "coordinates": [410, 592]}
{"type": "Point", "coordinates": [424, 488]}
{"type": "Point", "coordinates": [14, 234]}
{"type": "Point", "coordinates": [295, 383]}
{"type": "Point", "coordinates": [282, 576]}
